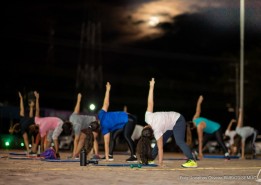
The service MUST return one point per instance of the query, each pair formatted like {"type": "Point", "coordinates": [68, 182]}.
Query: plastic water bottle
{"type": "Point", "coordinates": [83, 157]}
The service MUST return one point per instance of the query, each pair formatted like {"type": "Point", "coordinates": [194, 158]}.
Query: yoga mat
{"type": "Point", "coordinates": [220, 157]}
{"type": "Point", "coordinates": [18, 153]}
{"type": "Point", "coordinates": [61, 160]}
{"type": "Point", "coordinates": [175, 159]}
{"type": "Point", "coordinates": [124, 165]}
{"type": "Point", "coordinates": [26, 158]}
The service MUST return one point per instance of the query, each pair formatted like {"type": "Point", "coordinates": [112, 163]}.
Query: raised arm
{"type": "Point", "coordinates": [37, 106]}
{"type": "Point", "coordinates": [151, 96]}
{"type": "Point", "coordinates": [106, 101]}
{"type": "Point", "coordinates": [21, 104]}
{"type": "Point", "coordinates": [198, 107]}
{"type": "Point", "coordinates": [230, 124]}
{"type": "Point", "coordinates": [239, 121]}
{"type": "Point", "coordinates": [78, 104]}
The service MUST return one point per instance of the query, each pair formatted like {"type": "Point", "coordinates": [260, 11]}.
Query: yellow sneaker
{"type": "Point", "coordinates": [190, 164]}
{"type": "Point", "coordinates": [151, 162]}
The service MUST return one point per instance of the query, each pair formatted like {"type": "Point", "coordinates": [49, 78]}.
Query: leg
{"type": "Point", "coordinates": [95, 143]}
{"type": "Point", "coordinates": [35, 143]}
{"type": "Point", "coordinates": [26, 142]}
{"type": "Point", "coordinates": [179, 131]}
{"type": "Point", "coordinates": [114, 136]}
{"type": "Point", "coordinates": [75, 144]}
{"type": "Point", "coordinates": [81, 143]}
{"type": "Point", "coordinates": [127, 132]}
{"type": "Point", "coordinates": [48, 140]}
{"type": "Point", "coordinates": [56, 145]}
{"type": "Point", "coordinates": [220, 141]}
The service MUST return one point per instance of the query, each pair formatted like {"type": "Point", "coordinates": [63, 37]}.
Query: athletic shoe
{"type": "Point", "coordinates": [227, 157]}
{"type": "Point", "coordinates": [151, 162]}
{"type": "Point", "coordinates": [110, 158]}
{"type": "Point", "coordinates": [190, 164]}
{"type": "Point", "coordinates": [132, 158]}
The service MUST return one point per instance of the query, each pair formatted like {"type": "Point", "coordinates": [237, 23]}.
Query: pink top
{"type": "Point", "coordinates": [47, 123]}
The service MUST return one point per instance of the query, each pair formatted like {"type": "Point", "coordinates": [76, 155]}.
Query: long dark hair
{"type": "Point", "coordinates": [144, 148]}
{"type": "Point", "coordinates": [94, 127]}
{"type": "Point", "coordinates": [89, 140]}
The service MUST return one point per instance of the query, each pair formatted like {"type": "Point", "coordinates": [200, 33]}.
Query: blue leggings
{"type": "Point", "coordinates": [178, 131]}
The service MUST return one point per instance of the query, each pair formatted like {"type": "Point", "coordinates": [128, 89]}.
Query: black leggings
{"type": "Point", "coordinates": [127, 131]}
{"type": "Point", "coordinates": [219, 138]}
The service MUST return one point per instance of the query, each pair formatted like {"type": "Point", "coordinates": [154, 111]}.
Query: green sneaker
{"type": "Point", "coordinates": [190, 164]}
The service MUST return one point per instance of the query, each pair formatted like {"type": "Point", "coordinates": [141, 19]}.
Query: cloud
{"type": "Point", "coordinates": [130, 21]}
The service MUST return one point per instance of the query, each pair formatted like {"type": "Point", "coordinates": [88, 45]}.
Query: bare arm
{"type": "Point", "coordinates": [151, 96]}
{"type": "Point", "coordinates": [243, 149]}
{"type": "Point", "coordinates": [106, 101]}
{"type": "Point", "coordinates": [200, 128]}
{"type": "Point", "coordinates": [230, 124]}
{"type": "Point", "coordinates": [160, 150]}
{"type": "Point", "coordinates": [106, 145]}
{"type": "Point", "coordinates": [78, 104]}
{"type": "Point", "coordinates": [240, 121]}
{"type": "Point", "coordinates": [198, 107]}
{"type": "Point", "coordinates": [37, 107]}
{"type": "Point", "coordinates": [21, 104]}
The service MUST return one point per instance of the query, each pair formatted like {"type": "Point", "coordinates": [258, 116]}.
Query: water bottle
{"type": "Point", "coordinates": [83, 157]}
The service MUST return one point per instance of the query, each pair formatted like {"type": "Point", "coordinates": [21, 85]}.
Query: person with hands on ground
{"type": "Point", "coordinates": [26, 123]}
{"type": "Point", "coordinates": [164, 125]}
{"type": "Point", "coordinates": [206, 130]}
{"type": "Point", "coordinates": [244, 133]}
{"type": "Point", "coordinates": [86, 129]}
{"type": "Point", "coordinates": [111, 123]}
{"type": "Point", "coordinates": [50, 129]}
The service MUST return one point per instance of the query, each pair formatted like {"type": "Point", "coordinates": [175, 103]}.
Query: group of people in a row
{"type": "Point", "coordinates": [160, 126]}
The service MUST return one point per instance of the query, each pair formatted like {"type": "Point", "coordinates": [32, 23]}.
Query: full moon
{"type": "Point", "coordinates": [153, 21]}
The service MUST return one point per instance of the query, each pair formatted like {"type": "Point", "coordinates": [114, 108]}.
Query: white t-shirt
{"type": "Point", "coordinates": [245, 132]}
{"type": "Point", "coordinates": [161, 121]}
{"type": "Point", "coordinates": [231, 134]}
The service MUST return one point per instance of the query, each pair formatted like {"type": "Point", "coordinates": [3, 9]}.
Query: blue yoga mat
{"type": "Point", "coordinates": [220, 157]}
{"type": "Point", "coordinates": [128, 165]}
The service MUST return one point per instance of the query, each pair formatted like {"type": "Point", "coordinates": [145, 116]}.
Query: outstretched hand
{"type": "Point", "coordinates": [20, 95]}
{"type": "Point", "coordinates": [79, 96]}
{"type": "Point", "coordinates": [152, 82]}
{"type": "Point", "coordinates": [200, 99]}
{"type": "Point", "coordinates": [36, 94]}
{"type": "Point", "coordinates": [108, 86]}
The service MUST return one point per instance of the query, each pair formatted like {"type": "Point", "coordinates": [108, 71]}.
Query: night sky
{"type": "Point", "coordinates": [190, 47]}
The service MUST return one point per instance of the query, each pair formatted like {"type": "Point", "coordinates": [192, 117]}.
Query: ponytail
{"type": "Point", "coordinates": [144, 148]}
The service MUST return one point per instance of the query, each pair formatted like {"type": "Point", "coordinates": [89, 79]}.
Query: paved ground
{"type": "Point", "coordinates": [214, 171]}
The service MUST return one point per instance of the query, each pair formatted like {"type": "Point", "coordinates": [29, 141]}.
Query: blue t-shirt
{"type": "Point", "coordinates": [211, 126]}
{"type": "Point", "coordinates": [111, 121]}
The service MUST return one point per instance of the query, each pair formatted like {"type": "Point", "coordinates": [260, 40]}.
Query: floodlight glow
{"type": "Point", "coordinates": [7, 143]}
{"type": "Point", "coordinates": [22, 144]}
{"type": "Point", "coordinates": [92, 106]}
